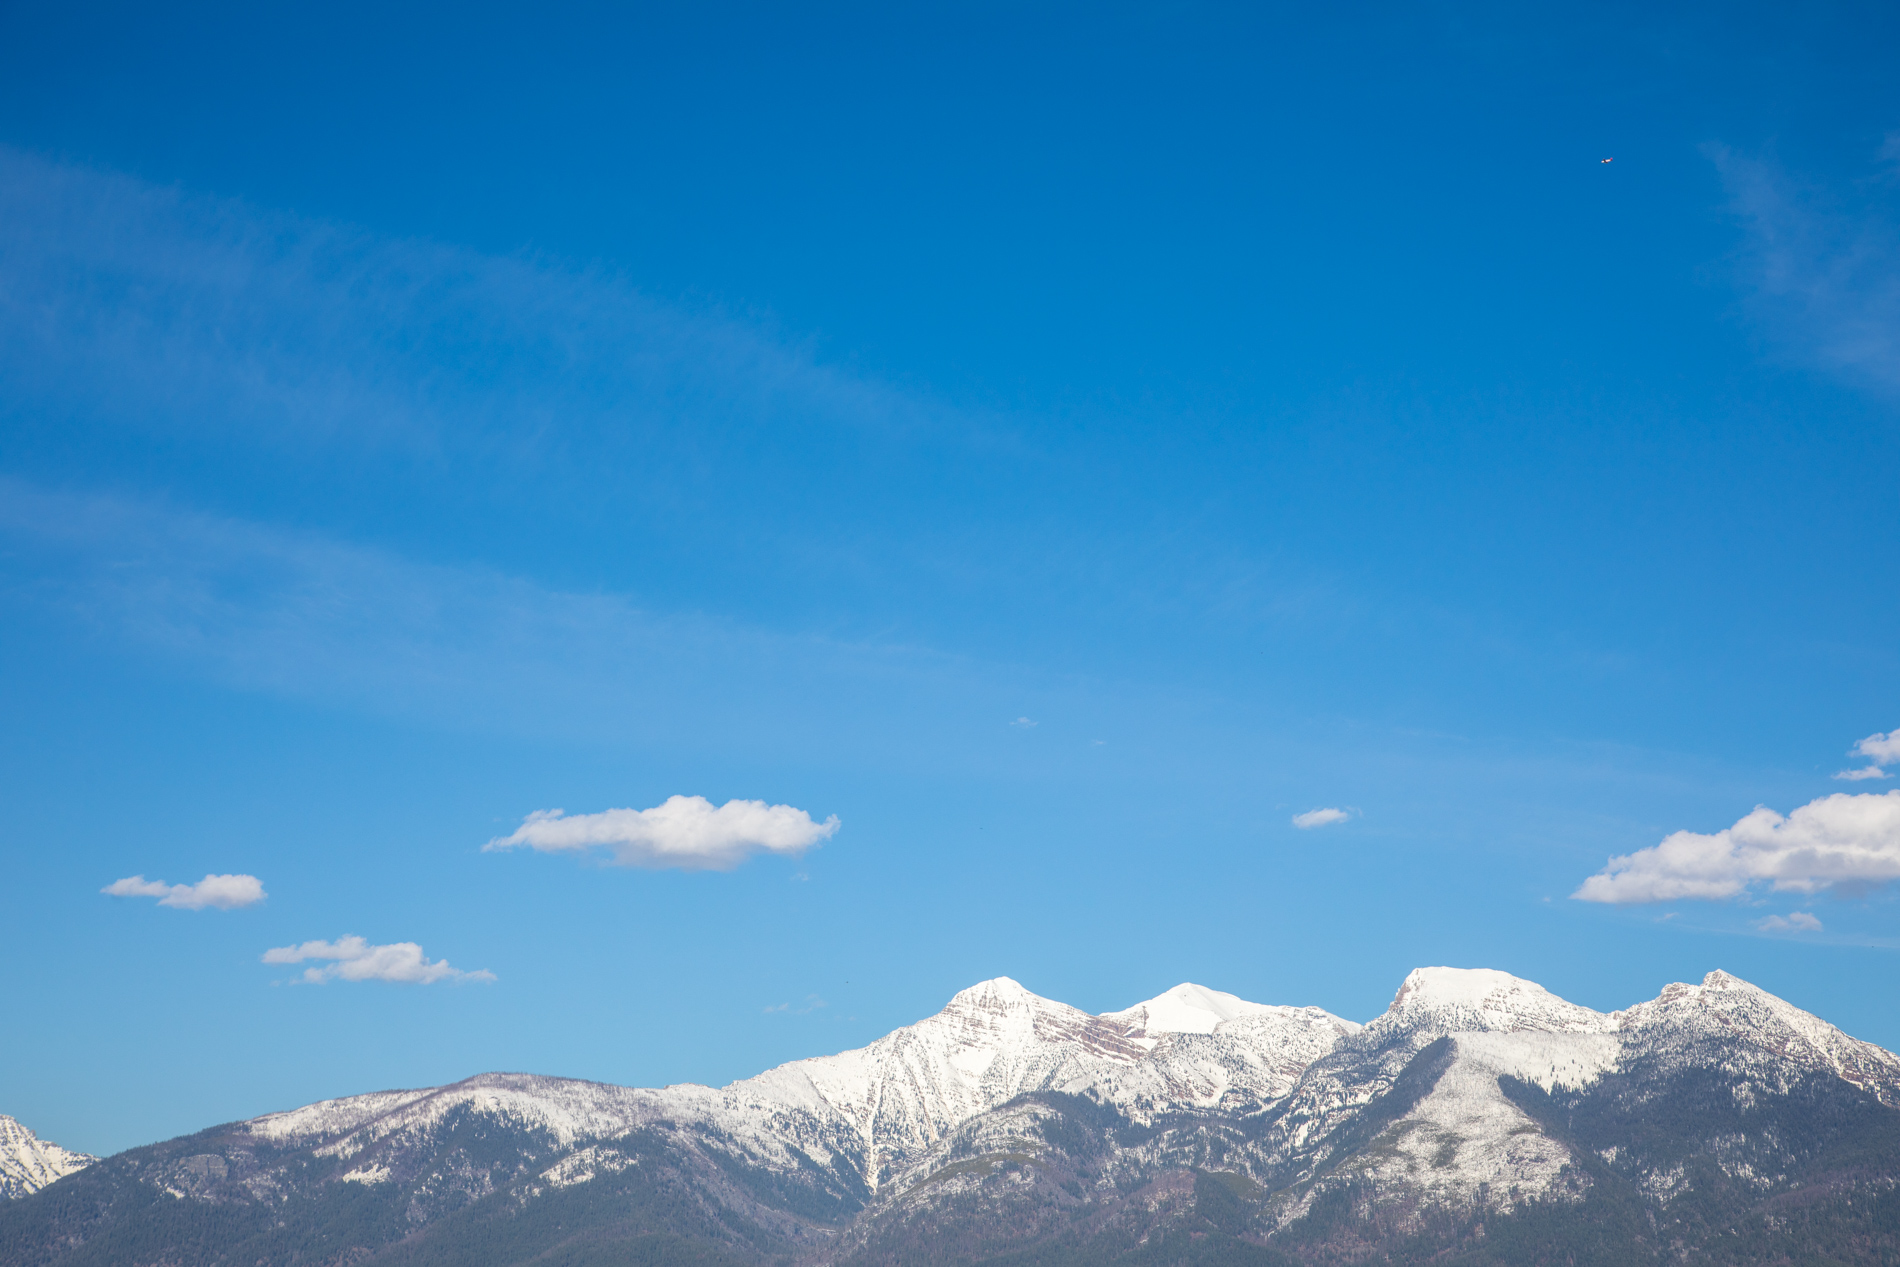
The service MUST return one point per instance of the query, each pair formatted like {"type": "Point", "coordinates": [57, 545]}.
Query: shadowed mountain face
{"type": "Point", "coordinates": [1479, 1119]}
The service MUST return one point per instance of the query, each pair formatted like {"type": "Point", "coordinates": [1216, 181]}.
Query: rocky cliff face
{"type": "Point", "coordinates": [1479, 1107]}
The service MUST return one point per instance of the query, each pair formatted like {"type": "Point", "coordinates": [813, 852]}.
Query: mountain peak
{"type": "Point", "coordinates": [996, 988]}
{"type": "Point", "coordinates": [28, 1163]}
{"type": "Point", "coordinates": [1185, 1009]}
{"type": "Point", "coordinates": [1485, 999]}
{"type": "Point", "coordinates": [1001, 1014]}
{"type": "Point", "coordinates": [1728, 1006]}
{"type": "Point", "coordinates": [1726, 983]}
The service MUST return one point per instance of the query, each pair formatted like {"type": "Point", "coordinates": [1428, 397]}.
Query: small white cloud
{"type": "Point", "coordinates": [812, 1004]}
{"type": "Point", "coordinates": [1843, 840]}
{"type": "Point", "coordinates": [1023, 722]}
{"type": "Point", "coordinates": [226, 892]}
{"type": "Point", "coordinates": [1799, 922]}
{"type": "Point", "coordinates": [1879, 750]}
{"type": "Point", "coordinates": [1319, 818]}
{"type": "Point", "coordinates": [352, 958]}
{"type": "Point", "coordinates": [686, 832]}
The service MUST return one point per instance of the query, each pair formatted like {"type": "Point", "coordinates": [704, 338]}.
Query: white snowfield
{"type": "Point", "coordinates": [881, 1113]}
{"type": "Point", "coordinates": [28, 1163]}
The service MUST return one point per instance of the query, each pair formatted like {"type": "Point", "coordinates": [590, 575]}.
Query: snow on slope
{"type": "Point", "coordinates": [993, 1042]}
{"type": "Point", "coordinates": [565, 1109]}
{"type": "Point", "coordinates": [28, 1163]}
{"type": "Point", "coordinates": [1464, 1132]}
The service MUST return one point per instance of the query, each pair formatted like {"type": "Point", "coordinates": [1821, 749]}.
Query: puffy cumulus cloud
{"type": "Point", "coordinates": [1844, 840]}
{"type": "Point", "coordinates": [1319, 818]}
{"type": "Point", "coordinates": [225, 892]}
{"type": "Point", "coordinates": [1879, 750]}
{"type": "Point", "coordinates": [1799, 922]}
{"type": "Point", "coordinates": [688, 832]}
{"type": "Point", "coordinates": [353, 958]}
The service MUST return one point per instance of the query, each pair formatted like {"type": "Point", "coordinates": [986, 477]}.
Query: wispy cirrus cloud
{"type": "Point", "coordinates": [564, 396]}
{"type": "Point", "coordinates": [1844, 841]}
{"type": "Point", "coordinates": [223, 892]}
{"type": "Point", "coordinates": [302, 614]}
{"type": "Point", "coordinates": [687, 832]}
{"type": "Point", "coordinates": [812, 1004]}
{"type": "Point", "coordinates": [1795, 922]}
{"type": "Point", "coordinates": [1823, 267]}
{"type": "Point", "coordinates": [156, 308]}
{"type": "Point", "coordinates": [353, 958]}
{"type": "Point", "coordinates": [1324, 817]}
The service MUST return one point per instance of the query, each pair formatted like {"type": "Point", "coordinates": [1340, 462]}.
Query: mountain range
{"type": "Point", "coordinates": [1479, 1119]}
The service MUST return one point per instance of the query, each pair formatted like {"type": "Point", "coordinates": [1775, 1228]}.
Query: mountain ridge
{"type": "Point", "coordinates": [1009, 1115]}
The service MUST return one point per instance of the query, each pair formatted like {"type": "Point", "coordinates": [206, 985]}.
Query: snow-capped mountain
{"type": "Point", "coordinates": [1476, 1100]}
{"type": "Point", "coordinates": [1460, 1132]}
{"type": "Point", "coordinates": [28, 1163]}
{"type": "Point", "coordinates": [1481, 1000]}
{"type": "Point", "coordinates": [992, 1042]}
{"type": "Point", "coordinates": [1772, 1031]}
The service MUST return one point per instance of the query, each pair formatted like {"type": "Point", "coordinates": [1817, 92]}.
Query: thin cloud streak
{"type": "Point", "coordinates": [153, 307]}
{"type": "Point", "coordinates": [1825, 277]}
{"type": "Point", "coordinates": [298, 614]}
{"type": "Point", "coordinates": [1797, 922]}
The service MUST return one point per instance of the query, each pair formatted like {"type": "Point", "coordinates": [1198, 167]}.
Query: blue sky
{"type": "Point", "coordinates": [1062, 443]}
